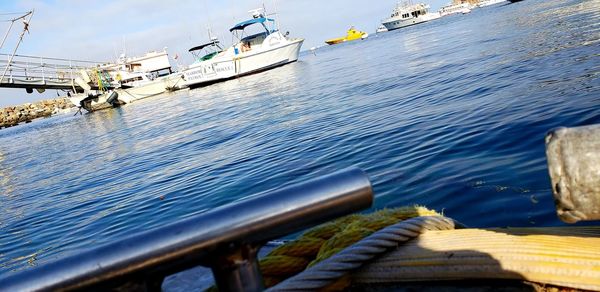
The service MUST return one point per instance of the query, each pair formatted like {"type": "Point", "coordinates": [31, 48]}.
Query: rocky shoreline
{"type": "Point", "coordinates": [25, 113]}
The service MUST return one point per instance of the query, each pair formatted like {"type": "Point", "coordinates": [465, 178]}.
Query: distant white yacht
{"type": "Point", "coordinates": [450, 9]}
{"type": "Point", "coordinates": [484, 3]}
{"type": "Point", "coordinates": [381, 29]}
{"type": "Point", "coordinates": [406, 13]}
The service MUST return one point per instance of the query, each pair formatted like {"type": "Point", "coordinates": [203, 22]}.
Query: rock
{"type": "Point", "coordinates": [13, 115]}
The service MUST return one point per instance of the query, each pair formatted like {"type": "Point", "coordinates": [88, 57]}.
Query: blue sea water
{"type": "Point", "coordinates": [450, 114]}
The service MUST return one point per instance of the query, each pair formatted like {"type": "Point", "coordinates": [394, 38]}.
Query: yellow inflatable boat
{"type": "Point", "coordinates": [351, 35]}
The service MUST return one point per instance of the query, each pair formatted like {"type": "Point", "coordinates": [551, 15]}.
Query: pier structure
{"type": "Point", "coordinates": [41, 73]}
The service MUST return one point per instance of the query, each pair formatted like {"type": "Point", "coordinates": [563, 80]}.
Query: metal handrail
{"type": "Point", "coordinates": [31, 71]}
{"type": "Point", "coordinates": [226, 239]}
{"type": "Point", "coordinates": [58, 59]}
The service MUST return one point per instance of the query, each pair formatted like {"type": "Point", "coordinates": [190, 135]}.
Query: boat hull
{"type": "Point", "coordinates": [260, 61]}
{"type": "Point", "coordinates": [393, 24]}
{"type": "Point", "coordinates": [335, 41]}
{"type": "Point", "coordinates": [128, 95]}
{"type": "Point", "coordinates": [156, 87]}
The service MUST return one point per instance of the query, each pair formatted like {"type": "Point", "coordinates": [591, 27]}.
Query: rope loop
{"type": "Point", "coordinates": [335, 269]}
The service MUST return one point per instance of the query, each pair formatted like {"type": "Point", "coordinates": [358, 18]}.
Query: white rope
{"type": "Point", "coordinates": [356, 255]}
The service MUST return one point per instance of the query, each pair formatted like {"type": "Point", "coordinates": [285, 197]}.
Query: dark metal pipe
{"type": "Point", "coordinates": [574, 165]}
{"type": "Point", "coordinates": [213, 238]}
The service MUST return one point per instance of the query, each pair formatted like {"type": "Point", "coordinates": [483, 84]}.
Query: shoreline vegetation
{"type": "Point", "coordinates": [25, 113]}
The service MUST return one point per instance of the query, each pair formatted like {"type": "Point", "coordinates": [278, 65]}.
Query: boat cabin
{"type": "Point", "coordinates": [412, 11]}
{"type": "Point", "coordinates": [206, 51]}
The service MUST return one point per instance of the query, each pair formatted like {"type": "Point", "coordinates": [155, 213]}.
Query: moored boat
{"type": "Point", "coordinates": [381, 29]}
{"type": "Point", "coordinates": [126, 80]}
{"type": "Point", "coordinates": [250, 54]}
{"type": "Point", "coordinates": [95, 100]}
{"type": "Point", "coordinates": [351, 35]}
{"type": "Point", "coordinates": [485, 3]}
{"type": "Point", "coordinates": [450, 9]}
{"type": "Point", "coordinates": [406, 14]}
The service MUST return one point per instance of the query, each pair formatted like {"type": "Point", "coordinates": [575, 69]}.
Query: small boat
{"type": "Point", "coordinates": [450, 9]}
{"type": "Point", "coordinates": [130, 72]}
{"type": "Point", "coordinates": [94, 100]}
{"type": "Point", "coordinates": [381, 29]}
{"type": "Point", "coordinates": [250, 54]}
{"type": "Point", "coordinates": [513, 1]}
{"type": "Point", "coordinates": [406, 14]}
{"type": "Point", "coordinates": [125, 81]}
{"type": "Point", "coordinates": [351, 35]}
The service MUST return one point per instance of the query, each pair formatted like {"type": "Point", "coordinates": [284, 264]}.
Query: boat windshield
{"type": "Point", "coordinates": [206, 51]}
{"type": "Point", "coordinates": [255, 39]}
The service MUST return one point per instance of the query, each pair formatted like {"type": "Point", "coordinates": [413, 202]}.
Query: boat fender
{"type": "Point", "coordinates": [85, 76]}
{"type": "Point", "coordinates": [574, 166]}
{"type": "Point", "coordinates": [112, 98]}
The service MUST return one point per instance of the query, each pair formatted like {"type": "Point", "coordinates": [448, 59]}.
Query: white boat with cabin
{"type": "Point", "coordinates": [406, 14]}
{"type": "Point", "coordinates": [127, 80]}
{"type": "Point", "coordinates": [252, 53]}
{"type": "Point", "coordinates": [450, 9]}
{"type": "Point", "coordinates": [485, 3]}
{"type": "Point", "coordinates": [153, 68]}
{"type": "Point", "coordinates": [381, 29]}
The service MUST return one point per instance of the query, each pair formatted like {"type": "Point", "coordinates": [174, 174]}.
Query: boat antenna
{"type": "Point", "coordinates": [25, 29]}
{"type": "Point", "coordinates": [209, 25]}
{"type": "Point", "coordinates": [277, 19]}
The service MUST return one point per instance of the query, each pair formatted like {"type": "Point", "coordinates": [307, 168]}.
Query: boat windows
{"type": "Point", "coordinates": [208, 56]}
{"type": "Point", "coordinates": [206, 51]}
{"type": "Point", "coordinates": [255, 39]}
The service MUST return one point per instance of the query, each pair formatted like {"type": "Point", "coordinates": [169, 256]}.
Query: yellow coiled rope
{"type": "Point", "coordinates": [325, 240]}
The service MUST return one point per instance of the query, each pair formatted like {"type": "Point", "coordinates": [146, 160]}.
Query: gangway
{"type": "Point", "coordinates": [41, 73]}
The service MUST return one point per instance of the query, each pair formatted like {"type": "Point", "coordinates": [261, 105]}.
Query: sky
{"type": "Point", "coordinates": [102, 30]}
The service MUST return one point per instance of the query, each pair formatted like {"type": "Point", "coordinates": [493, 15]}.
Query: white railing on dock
{"type": "Point", "coordinates": [41, 72]}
